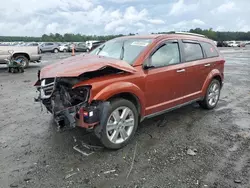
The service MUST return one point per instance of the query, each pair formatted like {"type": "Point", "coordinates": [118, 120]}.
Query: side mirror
{"type": "Point", "coordinates": [147, 64]}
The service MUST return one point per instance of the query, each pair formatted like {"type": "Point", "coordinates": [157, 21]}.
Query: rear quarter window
{"type": "Point", "coordinates": [192, 51]}
{"type": "Point", "coordinates": [209, 50]}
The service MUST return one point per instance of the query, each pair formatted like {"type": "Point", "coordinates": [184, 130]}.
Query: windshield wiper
{"type": "Point", "coordinates": [100, 49]}
{"type": "Point", "coordinates": [122, 51]}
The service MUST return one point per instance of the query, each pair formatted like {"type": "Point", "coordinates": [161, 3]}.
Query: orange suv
{"type": "Point", "coordinates": [127, 79]}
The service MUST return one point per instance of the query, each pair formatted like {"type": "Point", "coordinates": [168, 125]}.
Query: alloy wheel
{"type": "Point", "coordinates": [214, 93]}
{"type": "Point", "coordinates": [120, 125]}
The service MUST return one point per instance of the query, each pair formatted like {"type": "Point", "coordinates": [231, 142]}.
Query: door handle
{"type": "Point", "coordinates": [207, 65]}
{"type": "Point", "coordinates": [181, 70]}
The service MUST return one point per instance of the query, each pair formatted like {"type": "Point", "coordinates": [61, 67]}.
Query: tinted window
{"type": "Point", "coordinates": [166, 55]}
{"type": "Point", "coordinates": [209, 50]}
{"type": "Point", "coordinates": [192, 51]}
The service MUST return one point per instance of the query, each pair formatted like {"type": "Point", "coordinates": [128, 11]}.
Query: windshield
{"type": "Point", "coordinates": [124, 49]}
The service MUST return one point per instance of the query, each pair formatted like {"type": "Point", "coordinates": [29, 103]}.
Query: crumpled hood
{"type": "Point", "coordinates": [77, 65]}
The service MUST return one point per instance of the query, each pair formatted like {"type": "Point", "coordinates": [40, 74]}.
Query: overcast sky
{"type": "Point", "coordinates": [101, 17]}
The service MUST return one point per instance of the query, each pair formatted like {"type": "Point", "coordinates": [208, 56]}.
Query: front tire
{"type": "Point", "coordinates": [24, 61]}
{"type": "Point", "coordinates": [121, 124]}
{"type": "Point", "coordinates": [212, 95]}
{"type": "Point", "coordinates": [55, 50]}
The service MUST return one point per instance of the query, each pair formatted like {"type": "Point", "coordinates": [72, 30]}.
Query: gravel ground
{"type": "Point", "coordinates": [33, 153]}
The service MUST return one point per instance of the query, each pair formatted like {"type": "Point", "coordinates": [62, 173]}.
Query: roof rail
{"type": "Point", "coordinates": [194, 34]}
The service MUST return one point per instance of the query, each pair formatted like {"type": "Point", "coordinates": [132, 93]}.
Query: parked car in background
{"type": "Point", "coordinates": [63, 48]}
{"type": "Point", "coordinates": [128, 79]}
{"type": "Point", "coordinates": [33, 44]}
{"type": "Point", "coordinates": [247, 45]}
{"type": "Point", "coordinates": [81, 47]}
{"type": "Point", "coordinates": [49, 47]}
{"type": "Point", "coordinates": [222, 44]}
{"type": "Point", "coordinates": [233, 44]}
{"type": "Point", "coordinates": [70, 46]}
{"type": "Point", "coordinates": [89, 43]}
{"type": "Point", "coordinates": [96, 44]}
{"type": "Point", "coordinates": [26, 54]}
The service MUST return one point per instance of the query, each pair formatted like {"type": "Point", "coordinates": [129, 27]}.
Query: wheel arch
{"type": "Point", "coordinates": [130, 97]}
{"type": "Point", "coordinates": [21, 54]}
{"type": "Point", "coordinates": [214, 74]}
{"type": "Point", "coordinates": [123, 90]}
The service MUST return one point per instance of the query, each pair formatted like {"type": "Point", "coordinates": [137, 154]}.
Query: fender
{"type": "Point", "coordinates": [211, 75]}
{"type": "Point", "coordinates": [118, 88]}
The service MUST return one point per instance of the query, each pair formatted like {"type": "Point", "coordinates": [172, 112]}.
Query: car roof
{"type": "Point", "coordinates": [168, 36]}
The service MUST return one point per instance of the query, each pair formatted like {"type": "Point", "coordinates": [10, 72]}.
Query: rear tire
{"type": "Point", "coordinates": [212, 95]}
{"type": "Point", "coordinates": [121, 124]}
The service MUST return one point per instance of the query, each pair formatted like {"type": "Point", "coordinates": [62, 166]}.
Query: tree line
{"type": "Point", "coordinates": [68, 37]}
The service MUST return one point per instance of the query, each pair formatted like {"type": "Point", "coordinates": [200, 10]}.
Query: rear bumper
{"type": "Point", "coordinates": [36, 58]}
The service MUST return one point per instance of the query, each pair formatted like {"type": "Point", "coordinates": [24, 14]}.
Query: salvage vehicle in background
{"type": "Point", "coordinates": [128, 79]}
{"type": "Point", "coordinates": [49, 47]}
{"type": "Point", "coordinates": [24, 54]}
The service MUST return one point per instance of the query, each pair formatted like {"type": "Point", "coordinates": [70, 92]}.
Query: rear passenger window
{"type": "Point", "coordinates": [192, 51]}
{"type": "Point", "coordinates": [209, 50]}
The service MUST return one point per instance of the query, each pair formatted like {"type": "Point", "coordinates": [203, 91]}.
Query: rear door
{"type": "Point", "coordinates": [164, 78]}
{"type": "Point", "coordinates": [45, 47]}
{"type": "Point", "coordinates": [197, 69]}
{"type": "Point", "coordinates": [51, 46]}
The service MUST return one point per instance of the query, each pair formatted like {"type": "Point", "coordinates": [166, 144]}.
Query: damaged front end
{"type": "Point", "coordinates": [69, 106]}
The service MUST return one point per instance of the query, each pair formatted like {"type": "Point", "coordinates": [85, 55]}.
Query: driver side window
{"type": "Point", "coordinates": [167, 54]}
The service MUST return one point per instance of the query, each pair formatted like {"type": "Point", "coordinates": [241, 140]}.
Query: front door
{"type": "Point", "coordinates": [164, 78]}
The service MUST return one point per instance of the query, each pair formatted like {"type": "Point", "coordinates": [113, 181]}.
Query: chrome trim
{"type": "Point", "coordinates": [46, 88]}
{"type": "Point", "coordinates": [180, 70]}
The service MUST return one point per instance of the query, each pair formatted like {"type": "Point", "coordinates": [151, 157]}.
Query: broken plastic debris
{"type": "Point", "coordinates": [109, 171]}
{"type": "Point", "coordinates": [70, 175]}
{"type": "Point", "coordinates": [192, 152]}
{"type": "Point", "coordinates": [87, 153]}
{"type": "Point", "coordinates": [91, 147]}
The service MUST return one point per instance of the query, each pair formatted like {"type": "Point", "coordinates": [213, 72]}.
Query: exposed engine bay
{"type": "Point", "coordinates": [70, 106]}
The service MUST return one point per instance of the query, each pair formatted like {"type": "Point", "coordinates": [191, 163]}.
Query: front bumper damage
{"type": "Point", "coordinates": [82, 115]}
{"type": "Point", "coordinates": [70, 107]}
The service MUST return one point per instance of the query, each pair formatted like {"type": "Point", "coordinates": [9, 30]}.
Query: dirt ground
{"type": "Point", "coordinates": [33, 154]}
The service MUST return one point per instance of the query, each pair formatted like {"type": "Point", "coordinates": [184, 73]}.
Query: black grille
{"type": "Point", "coordinates": [48, 91]}
{"type": "Point", "coordinates": [49, 80]}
